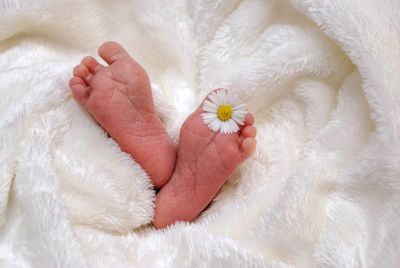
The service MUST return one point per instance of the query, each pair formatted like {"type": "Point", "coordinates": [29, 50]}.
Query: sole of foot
{"type": "Point", "coordinates": [205, 161]}
{"type": "Point", "coordinates": [119, 97]}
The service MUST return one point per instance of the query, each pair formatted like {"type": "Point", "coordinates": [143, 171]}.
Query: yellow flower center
{"type": "Point", "coordinates": [224, 112]}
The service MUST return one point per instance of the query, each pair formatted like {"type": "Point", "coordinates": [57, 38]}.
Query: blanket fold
{"type": "Point", "coordinates": [321, 77]}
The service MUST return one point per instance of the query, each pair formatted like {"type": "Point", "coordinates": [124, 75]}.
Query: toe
{"type": "Point", "coordinates": [76, 81]}
{"type": "Point", "coordinates": [112, 51]}
{"type": "Point", "coordinates": [83, 72]}
{"type": "Point", "coordinates": [80, 90]}
{"type": "Point", "coordinates": [91, 64]}
{"type": "Point", "coordinates": [248, 147]}
{"type": "Point", "coordinates": [249, 119]}
{"type": "Point", "coordinates": [249, 131]}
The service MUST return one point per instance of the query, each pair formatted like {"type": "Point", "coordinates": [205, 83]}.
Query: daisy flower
{"type": "Point", "coordinates": [222, 112]}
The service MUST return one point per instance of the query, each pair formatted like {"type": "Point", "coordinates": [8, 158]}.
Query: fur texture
{"type": "Point", "coordinates": [321, 77]}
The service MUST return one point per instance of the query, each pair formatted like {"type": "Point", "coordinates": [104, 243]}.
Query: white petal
{"type": "Point", "coordinates": [225, 127]}
{"type": "Point", "coordinates": [213, 98]}
{"type": "Point", "coordinates": [233, 126]}
{"type": "Point", "coordinates": [209, 107]}
{"type": "Point", "coordinates": [208, 121]}
{"type": "Point", "coordinates": [234, 99]}
{"type": "Point", "coordinates": [238, 120]}
{"type": "Point", "coordinates": [208, 115]}
{"type": "Point", "coordinates": [240, 113]}
{"type": "Point", "coordinates": [216, 94]}
{"type": "Point", "coordinates": [215, 125]}
{"type": "Point", "coordinates": [240, 116]}
{"type": "Point", "coordinates": [210, 104]}
{"type": "Point", "coordinates": [222, 127]}
{"type": "Point", "coordinates": [226, 101]}
{"type": "Point", "coordinates": [229, 97]}
{"type": "Point", "coordinates": [221, 96]}
{"type": "Point", "coordinates": [208, 118]}
{"type": "Point", "coordinates": [240, 107]}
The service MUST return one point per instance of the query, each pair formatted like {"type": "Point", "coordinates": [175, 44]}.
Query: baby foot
{"type": "Point", "coordinates": [119, 98]}
{"type": "Point", "coordinates": [205, 161]}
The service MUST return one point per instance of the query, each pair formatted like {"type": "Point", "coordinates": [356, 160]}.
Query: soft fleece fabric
{"type": "Point", "coordinates": [321, 76]}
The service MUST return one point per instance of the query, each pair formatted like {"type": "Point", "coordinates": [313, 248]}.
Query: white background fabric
{"type": "Point", "coordinates": [321, 76]}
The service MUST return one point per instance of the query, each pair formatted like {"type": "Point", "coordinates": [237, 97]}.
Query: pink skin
{"type": "Point", "coordinates": [205, 161]}
{"type": "Point", "coordinates": [119, 98]}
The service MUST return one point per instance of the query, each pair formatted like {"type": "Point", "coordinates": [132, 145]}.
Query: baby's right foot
{"type": "Point", "coordinates": [205, 161]}
{"type": "Point", "coordinates": [119, 97]}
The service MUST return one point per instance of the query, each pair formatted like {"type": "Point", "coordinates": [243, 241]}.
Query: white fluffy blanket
{"type": "Point", "coordinates": [321, 76]}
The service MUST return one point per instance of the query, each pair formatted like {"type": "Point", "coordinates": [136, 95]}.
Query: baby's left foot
{"type": "Point", "coordinates": [205, 161]}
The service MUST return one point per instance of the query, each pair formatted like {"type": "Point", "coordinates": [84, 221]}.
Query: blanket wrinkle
{"type": "Point", "coordinates": [321, 77]}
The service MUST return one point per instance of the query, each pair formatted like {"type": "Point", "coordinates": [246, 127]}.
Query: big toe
{"type": "Point", "coordinates": [112, 51]}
